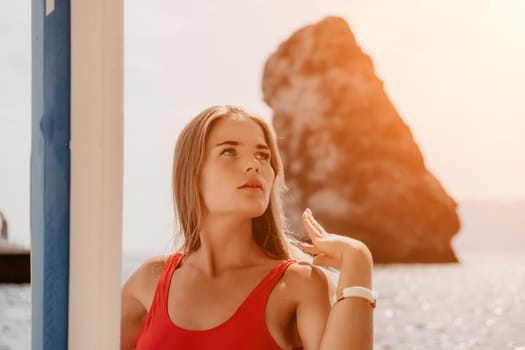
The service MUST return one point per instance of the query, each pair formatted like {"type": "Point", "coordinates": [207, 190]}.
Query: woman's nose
{"type": "Point", "coordinates": [252, 165]}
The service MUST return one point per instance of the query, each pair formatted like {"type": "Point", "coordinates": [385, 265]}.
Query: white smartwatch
{"type": "Point", "coordinates": [359, 292]}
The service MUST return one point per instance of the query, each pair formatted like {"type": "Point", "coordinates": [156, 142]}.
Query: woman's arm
{"type": "Point", "coordinates": [132, 316]}
{"type": "Point", "coordinates": [349, 323]}
{"type": "Point", "coordinates": [136, 297]}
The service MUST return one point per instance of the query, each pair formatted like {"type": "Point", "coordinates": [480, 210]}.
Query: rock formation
{"type": "Point", "coordinates": [348, 155]}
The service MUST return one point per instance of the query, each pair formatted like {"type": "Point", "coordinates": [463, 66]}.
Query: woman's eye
{"type": "Point", "coordinates": [228, 151]}
{"type": "Point", "coordinates": [262, 155]}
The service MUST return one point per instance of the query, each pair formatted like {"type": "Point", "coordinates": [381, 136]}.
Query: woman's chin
{"type": "Point", "coordinates": [252, 211]}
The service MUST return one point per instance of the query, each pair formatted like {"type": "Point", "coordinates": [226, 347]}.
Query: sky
{"type": "Point", "coordinates": [454, 71]}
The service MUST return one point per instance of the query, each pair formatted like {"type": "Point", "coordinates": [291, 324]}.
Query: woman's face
{"type": "Point", "coordinates": [237, 176]}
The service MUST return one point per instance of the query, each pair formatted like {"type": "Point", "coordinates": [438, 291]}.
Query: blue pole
{"type": "Point", "coordinates": [50, 169]}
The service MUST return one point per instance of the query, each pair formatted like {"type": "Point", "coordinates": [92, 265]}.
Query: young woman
{"type": "Point", "coordinates": [237, 282]}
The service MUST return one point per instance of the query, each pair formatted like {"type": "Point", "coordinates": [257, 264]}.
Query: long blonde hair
{"type": "Point", "coordinates": [269, 230]}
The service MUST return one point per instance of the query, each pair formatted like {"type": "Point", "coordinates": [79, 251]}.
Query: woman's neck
{"type": "Point", "coordinates": [225, 244]}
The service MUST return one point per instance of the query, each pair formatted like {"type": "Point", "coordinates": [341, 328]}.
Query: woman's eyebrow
{"type": "Point", "coordinates": [237, 143]}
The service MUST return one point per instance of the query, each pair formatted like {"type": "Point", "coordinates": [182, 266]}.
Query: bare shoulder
{"type": "Point", "coordinates": [137, 295]}
{"type": "Point", "coordinates": [149, 269]}
{"type": "Point", "coordinates": [310, 287]}
{"type": "Point", "coordinates": [142, 283]}
{"type": "Point", "coordinates": [307, 282]}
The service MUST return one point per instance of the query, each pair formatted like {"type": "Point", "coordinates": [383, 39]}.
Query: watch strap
{"type": "Point", "coordinates": [359, 292]}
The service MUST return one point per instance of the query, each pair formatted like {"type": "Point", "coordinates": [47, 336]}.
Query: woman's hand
{"type": "Point", "coordinates": [331, 249]}
{"type": "Point", "coordinates": [350, 323]}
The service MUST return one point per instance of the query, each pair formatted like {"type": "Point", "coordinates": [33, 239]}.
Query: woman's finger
{"type": "Point", "coordinates": [310, 228]}
{"type": "Point", "coordinates": [307, 218]}
{"type": "Point", "coordinates": [324, 260]}
{"type": "Point", "coordinates": [310, 249]}
{"type": "Point", "coordinates": [314, 222]}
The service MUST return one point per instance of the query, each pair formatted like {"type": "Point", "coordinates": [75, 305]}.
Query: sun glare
{"type": "Point", "coordinates": [515, 17]}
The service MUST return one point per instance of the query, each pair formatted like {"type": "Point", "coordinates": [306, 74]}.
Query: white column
{"type": "Point", "coordinates": [96, 174]}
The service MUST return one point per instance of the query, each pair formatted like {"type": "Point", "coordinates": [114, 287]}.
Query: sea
{"type": "Point", "coordinates": [478, 303]}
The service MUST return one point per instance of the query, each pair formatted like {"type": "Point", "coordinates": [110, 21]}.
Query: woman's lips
{"type": "Point", "coordinates": [249, 188]}
{"type": "Point", "coordinates": [252, 183]}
